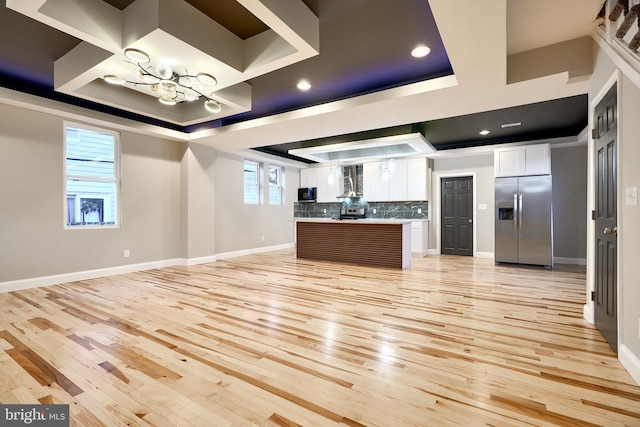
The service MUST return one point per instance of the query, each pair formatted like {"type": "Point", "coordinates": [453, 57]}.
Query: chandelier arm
{"type": "Point", "coordinates": [175, 78]}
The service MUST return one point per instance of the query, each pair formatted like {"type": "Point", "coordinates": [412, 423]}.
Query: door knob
{"type": "Point", "coordinates": [608, 230]}
{"type": "Point", "coordinates": [470, 220]}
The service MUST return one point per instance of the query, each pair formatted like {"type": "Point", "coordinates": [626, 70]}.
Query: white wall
{"type": "Point", "coordinates": [239, 226]}
{"type": "Point", "coordinates": [180, 203]}
{"type": "Point", "coordinates": [199, 203]}
{"type": "Point", "coordinates": [33, 240]}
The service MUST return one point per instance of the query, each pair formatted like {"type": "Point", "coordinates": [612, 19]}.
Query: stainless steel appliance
{"type": "Point", "coordinates": [349, 212]}
{"type": "Point", "coordinates": [307, 194]}
{"type": "Point", "coordinates": [524, 220]}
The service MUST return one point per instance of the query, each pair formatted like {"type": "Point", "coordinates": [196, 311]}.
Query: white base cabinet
{"type": "Point", "coordinates": [420, 237]}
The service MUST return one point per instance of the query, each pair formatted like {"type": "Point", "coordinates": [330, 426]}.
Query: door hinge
{"type": "Point", "coordinates": [593, 295]}
{"type": "Point", "coordinates": [594, 134]}
{"type": "Point", "coordinates": [593, 215]}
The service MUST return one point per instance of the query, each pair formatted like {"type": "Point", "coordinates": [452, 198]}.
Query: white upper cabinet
{"type": "Point", "coordinates": [329, 185]}
{"type": "Point", "coordinates": [417, 179]}
{"type": "Point", "coordinates": [406, 181]}
{"type": "Point", "coordinates": [308, 178]}
{"type": "Point", "coordinates": [398, 181]}
{"type": "Point", "coordinates": [523, 160]}
{"type": "Point", "coordinates": [370, 181]}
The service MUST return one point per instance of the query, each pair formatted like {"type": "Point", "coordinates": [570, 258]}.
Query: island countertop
{"type": "Point", "coordinates": [361, 220]}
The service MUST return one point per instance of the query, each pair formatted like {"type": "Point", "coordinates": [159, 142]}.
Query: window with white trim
{"type": "Point", "coordinates": [251, 182]}
{"type": "Point", "coordinates": [276, 185]}
{"type": "Point", "coordinates": [92, 177]}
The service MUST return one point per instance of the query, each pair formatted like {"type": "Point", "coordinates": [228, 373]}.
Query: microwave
{"type": "Point", "coordinates": [307, 194]}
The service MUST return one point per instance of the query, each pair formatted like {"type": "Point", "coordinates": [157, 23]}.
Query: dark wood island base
{"type": "Point", "coordinates": [384, 243]}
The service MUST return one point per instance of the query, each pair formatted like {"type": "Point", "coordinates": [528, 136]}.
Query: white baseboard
{"type": "Point", "coordinates": [571, 261]}
{"type": "Point", "coordinates": [588, 314]}
{"type": "Point", "coordinates": [630, 361]}
{"type": "Point", "coordinates": [36, 282]}
{"type": "Point", "coordinates": [477, 255]}
{"type": "Point", "coordinates": [489, 255]}
{"type": "Point", "coordinates": [254, 251]}
{"type": "Point", "coordinates": [201, 260]}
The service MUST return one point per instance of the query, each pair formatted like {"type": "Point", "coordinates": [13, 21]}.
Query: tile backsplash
{"type": "Point", "coordinates": [389, 210]}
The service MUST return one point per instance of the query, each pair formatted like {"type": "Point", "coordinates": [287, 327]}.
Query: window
{"type": "Point", "coordinates": [251, 182]}
{"type": "Point", "coordinates": [92, 177]}
{"type": "Point", "coordinates": [275, 185]}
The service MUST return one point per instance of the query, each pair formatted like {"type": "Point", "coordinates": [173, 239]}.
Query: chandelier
{"type": "Point", "coordinates": [166, 84]}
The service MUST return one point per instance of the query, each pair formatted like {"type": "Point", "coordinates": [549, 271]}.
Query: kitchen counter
{"type": "Point", "coordinates": [360, 220]}
{"type": "Point", "coordinates": [371, 241]}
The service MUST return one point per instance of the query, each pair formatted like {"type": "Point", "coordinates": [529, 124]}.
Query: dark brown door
{"type": "Point", "coordinates": [457, 216]}
{"type": "Point", "coordinates": [606, 239]}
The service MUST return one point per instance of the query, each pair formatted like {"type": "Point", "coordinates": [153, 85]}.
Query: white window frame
{"type": "Point", "coordinates": [83, 195]}
{"type": "Point", "coordinates": [257, 182]}
{"type": "Point", "coordinates": [279, 187]}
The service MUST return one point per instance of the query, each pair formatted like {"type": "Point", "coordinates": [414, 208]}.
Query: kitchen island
{"type": "Point", "coordinates": [380, 242]}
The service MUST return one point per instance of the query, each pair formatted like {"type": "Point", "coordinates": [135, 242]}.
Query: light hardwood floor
{"type": "Point", "coordinates": [272, 340]}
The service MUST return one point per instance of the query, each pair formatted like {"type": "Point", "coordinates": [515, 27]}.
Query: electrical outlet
{"type": "Point", "coordinates": [375, 210]}
{"type": "Point", "coordinates": [419, 210]}
{"type": "Point", "coordinates": [324, 211]}
{"type": "Point", "coordinates": [263, 238]}
{"type": "Point", "coordinates": [126, 253]}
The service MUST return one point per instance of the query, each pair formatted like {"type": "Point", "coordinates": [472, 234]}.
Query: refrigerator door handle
{"type": "Point", "coordinates": [520, 211]}
{"type": "Point", "coordinates": [515, 211]}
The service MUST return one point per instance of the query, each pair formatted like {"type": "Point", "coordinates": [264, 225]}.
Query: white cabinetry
{"type": "Point", "coordinates": [398, 181]}
{"type": "Point", "coordinates": [308, 178]}
{"type": "Point", "coordinates": [319, 178]}
{"type": "Point", "coordinates": [328, 191]}
{"type": "Point", "coordinates": [523, 160]}
{"type": "Point", "coordinates": [417, 179]}
{"type": "Point", "coordinates": [420, 237]}
{"type": "Point", "coordinates": [407, 181]}
{"type": "Point", "coordinates": [370, 177]}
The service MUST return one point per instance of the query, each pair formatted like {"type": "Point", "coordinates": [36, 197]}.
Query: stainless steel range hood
{"type": "Point", "coordinates": [352, 181]}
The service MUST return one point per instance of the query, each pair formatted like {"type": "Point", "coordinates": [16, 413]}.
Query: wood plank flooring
{"type": "Point", "coordinates": [271, 340]}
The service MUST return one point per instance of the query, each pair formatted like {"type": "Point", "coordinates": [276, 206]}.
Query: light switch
{"type": "Point", "coordinates": [631, 196]}
{"type": "Point", "coordinates": [482, 207]}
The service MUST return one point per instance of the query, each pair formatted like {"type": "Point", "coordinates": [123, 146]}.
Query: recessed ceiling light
{"type": "Point", "coordinates": [511, 125]}
{"type": "Point", "coordinates": [303, 85]}
{"type": "Point", "coordinates": [420, 51]}
{"type": "Point", "coordinates": [484, 132]}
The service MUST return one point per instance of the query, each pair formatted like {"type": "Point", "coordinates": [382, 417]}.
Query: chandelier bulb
{"type": "Point", "coordinates": [206, 79]}
{"type": "Point", "coordinates": [167, 100]}
{"type": "Point", "coordinates": [137, 55]}
{"type": "Point", "coordinates": [164, 71]}
{"type": "Point", "coordinates": [213, 106]}
{"type": "Point", "coordinates": [114, 80]}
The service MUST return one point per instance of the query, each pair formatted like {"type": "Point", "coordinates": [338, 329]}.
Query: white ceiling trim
{"type": "Point", "coordinates": [375, 148]}
{"type": "Point", "coordinates": [176, 33]}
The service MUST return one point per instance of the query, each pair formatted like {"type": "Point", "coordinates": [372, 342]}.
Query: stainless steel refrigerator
{"type": "Point", "coordinates": [524, 220]}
